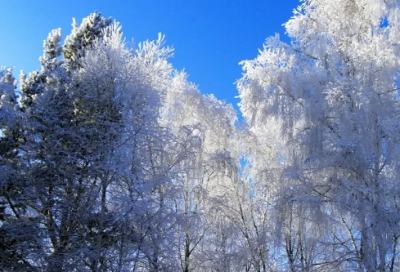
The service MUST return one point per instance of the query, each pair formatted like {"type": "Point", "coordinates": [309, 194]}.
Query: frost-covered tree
{"type": "Point", "coordinates": [323, 112]}
{"type": "Point", "coordinates": [52, 159]}
{"type": "Point", "coordinates": [17, 248]}
{"type": "Point", "coordinates": [82, 37]}
{"type": "Point", "coordinates": [114, 204]}
{"type": "Point", "coordinates": [202, 165]}
{"type": "Point", "coordinates": [35, 83]}
{"type": "Point", "coordinates": [90, 184]}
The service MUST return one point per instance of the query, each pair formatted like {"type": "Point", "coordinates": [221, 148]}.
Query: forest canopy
{"type": "Point", "coordinates": [112, 160]}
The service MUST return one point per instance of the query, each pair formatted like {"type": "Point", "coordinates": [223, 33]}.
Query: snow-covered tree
{"type": "Point", "coordinates": [90, 181]}
{"type": "Point", "coordinates": [82, 37]}
{"type": "Point", "coordinates": [202, 165]}
{"type": "Point", "coordinates": [17, 248]}
{"type": "Point", "coordinates": [323, 112]}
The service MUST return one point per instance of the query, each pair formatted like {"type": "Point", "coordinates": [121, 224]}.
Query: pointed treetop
{"type": "Point", "coordinates": [82, 36]}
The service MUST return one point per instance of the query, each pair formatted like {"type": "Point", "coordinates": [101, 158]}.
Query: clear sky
{"type": "Point", "coordinates": [210, 37]}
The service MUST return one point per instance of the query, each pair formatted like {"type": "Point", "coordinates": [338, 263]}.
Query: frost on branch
{"type": "Point", "coordinates": [8, 99]}
{"type": "Point", "coordinates": [82, 37]}
{"type": "Point", "coordinates": [322, 111]}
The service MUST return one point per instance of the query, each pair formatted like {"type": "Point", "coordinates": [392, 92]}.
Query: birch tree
{"type": "Point", "coordinates": [331, 98]}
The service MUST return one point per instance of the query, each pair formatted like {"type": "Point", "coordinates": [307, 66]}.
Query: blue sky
{"type": "Point", "coordinates": [210, 37]}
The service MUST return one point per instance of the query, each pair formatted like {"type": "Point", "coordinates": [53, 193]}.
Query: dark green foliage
{"type": "Point", "coordinates": [82, 36]}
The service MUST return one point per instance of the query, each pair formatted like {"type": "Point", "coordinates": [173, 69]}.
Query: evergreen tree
{"type": "Point", "coordinates": [82, 36]}
{"type": "Point", "coordinates": [17, 248]}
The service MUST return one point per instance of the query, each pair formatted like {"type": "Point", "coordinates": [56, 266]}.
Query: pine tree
{"type": "Point", "coordinates": [82, 36]}
{"type": "Point", "coordinates": [17, 249]}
